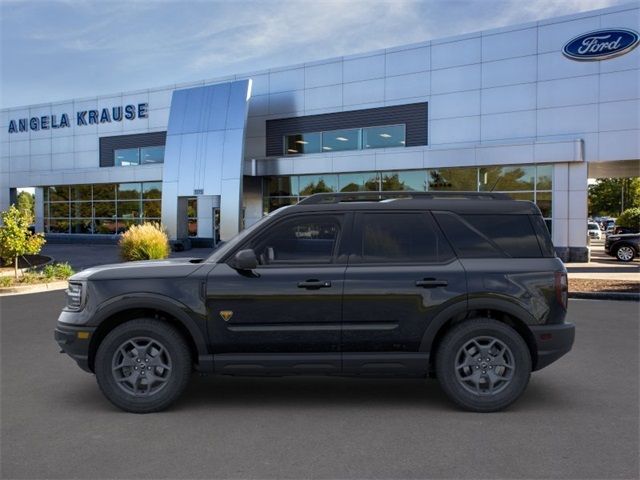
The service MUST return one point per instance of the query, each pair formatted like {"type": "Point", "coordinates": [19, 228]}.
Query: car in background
{"type": "Point", "coordinates": [593, 229]}
{"type": "Point", "coordinates": [624, 247]}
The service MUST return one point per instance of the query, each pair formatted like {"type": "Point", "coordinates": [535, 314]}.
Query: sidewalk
{"type": "Point", "coordinates": [604, 267]}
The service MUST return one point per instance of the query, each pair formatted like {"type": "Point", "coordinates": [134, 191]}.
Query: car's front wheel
{"type": "Point", "coordinates": [143, 365]}
{"type": "Point", "coordinates": [483, 365]}
{"type": "Point", "coordinates": [625, 253]}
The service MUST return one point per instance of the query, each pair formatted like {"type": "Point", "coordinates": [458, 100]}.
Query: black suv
{"type": "Point", "coordinates": [624, 247]}
{"type": "Point", "coordinates": [463, 287]}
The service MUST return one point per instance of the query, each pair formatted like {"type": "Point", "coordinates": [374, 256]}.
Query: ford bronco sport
{"type": "Point", "coordinates": [462, 287]}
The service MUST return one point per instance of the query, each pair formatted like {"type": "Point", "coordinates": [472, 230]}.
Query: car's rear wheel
{"type": "Point", "coordinates": [483, 365]}
{"type": "Point", "coordinates": [143, 365]}
{"type": "Point", "coordinates": [625, 253]}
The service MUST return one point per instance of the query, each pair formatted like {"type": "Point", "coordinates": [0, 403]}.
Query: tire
{"type": "Point", "coordinates": [152, 353]}
{"type": "Point", "coordinates": [625, 253]}
{"type": "Point", "coordinates": [468, 385]}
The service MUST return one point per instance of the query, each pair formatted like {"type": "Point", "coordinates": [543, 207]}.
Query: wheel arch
{"type": "Point", "coordinates": [122, 309]}
{"type": "Point", "coordinates": [499, 309]}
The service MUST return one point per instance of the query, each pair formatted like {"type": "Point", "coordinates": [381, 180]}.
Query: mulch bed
{"type": "Point", "coordinates": [28, 261]}
{"type": "Point", "coordinates": [588, 285]}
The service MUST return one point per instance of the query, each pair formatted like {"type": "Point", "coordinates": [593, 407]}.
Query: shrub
{"type": "Point", "coordinates": [15, 237]}
{"type": "Point", "coordinates": [148, 241]}
{"type": "Point", "coordinates": [6, 281]}
{"type": "Point", "coordinates": [57, 271]}
{"type": "Point", "coordinates": [630, 218]}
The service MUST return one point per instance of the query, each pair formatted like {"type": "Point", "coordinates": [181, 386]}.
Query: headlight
{"type": "Point", "coordinates": [74, 296]}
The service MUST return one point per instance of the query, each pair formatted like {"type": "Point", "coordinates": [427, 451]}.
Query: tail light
{"type": "Point", "coordinates": [562, 289]}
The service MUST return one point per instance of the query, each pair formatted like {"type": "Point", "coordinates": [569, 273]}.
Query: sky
{"type": "Point", "coordinates": [54, 50]}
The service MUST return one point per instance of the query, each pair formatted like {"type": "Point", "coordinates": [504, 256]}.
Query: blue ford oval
{"type": "Point", "coordinates": [601, 44]}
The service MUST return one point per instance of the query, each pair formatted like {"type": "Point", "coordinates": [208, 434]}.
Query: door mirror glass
{"type": "Point", "coordinates": [245, 260]}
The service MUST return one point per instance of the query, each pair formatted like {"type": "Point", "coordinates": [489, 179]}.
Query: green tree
{"type": "Point", "coordinates": [630, 218]}
{"type": "Point", "coordinates": [610, 196]}
{"type": "Point", "coordinates": [26, 202]}
{"type": "Point", "coordinates": [15, 238]}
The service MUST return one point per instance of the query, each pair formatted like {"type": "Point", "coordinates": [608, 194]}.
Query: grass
{"type": "Point", "coordinates": [50, 273]}
{"type": "Point", "coordinates": [144, 242]}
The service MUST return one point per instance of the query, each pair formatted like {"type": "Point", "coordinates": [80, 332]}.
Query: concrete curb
{"type": "Point", "coordinates": [633, 297]}
{"type": "Point", "coordinates": [35, 288]}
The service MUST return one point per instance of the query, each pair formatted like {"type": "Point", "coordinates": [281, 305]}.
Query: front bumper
{"type": "Point", "coordinates": [552, 342]}
{"type": "Point", "coordinates": [75, 340]}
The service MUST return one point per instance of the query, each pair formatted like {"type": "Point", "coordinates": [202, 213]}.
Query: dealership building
{"type": "Point", "coordinates": [533, 110]}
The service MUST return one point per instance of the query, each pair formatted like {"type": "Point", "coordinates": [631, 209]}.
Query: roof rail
{"type": "Point", "coordinates": [327, 198]}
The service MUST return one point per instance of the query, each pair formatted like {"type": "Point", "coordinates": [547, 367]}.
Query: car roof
{"type": "Point", "coordinates": [457, 202]}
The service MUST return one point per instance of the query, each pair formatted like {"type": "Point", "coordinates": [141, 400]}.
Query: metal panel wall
{"type": "Point", "coordinates": [204, 154]}
{"type": "Point", "coordinates": [413, 115]}
{"type": "Point", "coordinates": [109, 144]}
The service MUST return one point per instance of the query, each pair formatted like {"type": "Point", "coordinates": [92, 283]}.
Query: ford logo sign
{"type": "Point", "coordinates": [601, 44]}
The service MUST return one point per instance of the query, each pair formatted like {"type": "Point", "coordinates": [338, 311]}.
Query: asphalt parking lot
{"type": "Point", "coordinates": [578, 418]}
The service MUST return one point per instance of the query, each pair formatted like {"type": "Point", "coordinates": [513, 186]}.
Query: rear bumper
{"type": "Point", "coordinates": [74, 341]}
{"type": "Point", "coordinates": [552, 342]}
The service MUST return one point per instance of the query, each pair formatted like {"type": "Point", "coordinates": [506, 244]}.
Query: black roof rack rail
{"type": "Point", "coordinates": [328, 198]}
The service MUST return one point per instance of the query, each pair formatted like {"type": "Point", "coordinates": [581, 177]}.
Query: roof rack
{"type": "Point", "coordinates": [327, 198]}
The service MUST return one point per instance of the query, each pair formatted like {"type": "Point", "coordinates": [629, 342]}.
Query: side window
{"type": "Point", "coordinates": [514, 234]}
{"type": "Point", "coordinates": [402, 237]}
{"type": "Point", "coordinates": [466, 239]}
{"type": "Point", "coordinates": [301, 240]}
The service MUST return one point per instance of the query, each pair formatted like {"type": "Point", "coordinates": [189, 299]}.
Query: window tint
{"type": "Point", "coordinates": [301, 240]}
{"type": "Point", "coordinates": [468, 242]}
{"type": "Point", "coordinates": [400, 237]}
{"type": "Point", "coordinates": [514, 234]}
{"type": "Point", "coordinates": [491, 235]}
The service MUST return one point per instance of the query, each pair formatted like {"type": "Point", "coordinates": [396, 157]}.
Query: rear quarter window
{"type": "Point", "coordinates": [490, 236]}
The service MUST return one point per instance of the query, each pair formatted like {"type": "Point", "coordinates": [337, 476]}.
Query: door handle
{"type": "Point", "coordinates": [431, 283]}
{"type": "Point", "coordinates": [314, 284]}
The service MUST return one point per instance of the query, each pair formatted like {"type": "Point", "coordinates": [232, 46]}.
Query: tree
{"type": "Point", "coordinates": [16, 239]}
{"type": "Point", "coordinates": [630, 218]}
{"type": "Point", "coordinates": [26, 202]}
{"type": "Point", "coordinates": [607, 195]}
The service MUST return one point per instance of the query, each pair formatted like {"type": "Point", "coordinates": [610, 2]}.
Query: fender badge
{"type": "Point", "coordinates": [226, 315]}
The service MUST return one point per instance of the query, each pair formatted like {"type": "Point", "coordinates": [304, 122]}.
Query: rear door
{"type": "Point", "coordinates": [401, 273]}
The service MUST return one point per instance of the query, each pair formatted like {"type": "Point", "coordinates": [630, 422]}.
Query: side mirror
{"type": "Point", "coordinates": [245, 260]}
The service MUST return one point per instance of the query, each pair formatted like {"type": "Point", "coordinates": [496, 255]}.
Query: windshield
{"type": "Point", "coordinates": [239, 238]}
{"type": "Point", "coordinates": [594, 226]}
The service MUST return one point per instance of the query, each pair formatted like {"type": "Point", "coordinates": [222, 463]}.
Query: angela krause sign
{"type": "Point", "coordinates": [601, 44]}
{"type": "Point", "coordinates": [83, 117]}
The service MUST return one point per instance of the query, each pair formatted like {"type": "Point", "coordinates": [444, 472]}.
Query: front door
{"type": "Point", "coordinates": [401, 273]}
{"type": "Point", "coordinates": [290, 305]}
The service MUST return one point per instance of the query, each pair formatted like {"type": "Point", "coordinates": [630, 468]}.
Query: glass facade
{"type": "Point", "coordinates": [105, 208]}
{"type": "Point", "coordinates": [385, 136]}
{"type": "Point", "coordinates": [521, 182]}
{"type": "Point", "coordinates": [138, 156]}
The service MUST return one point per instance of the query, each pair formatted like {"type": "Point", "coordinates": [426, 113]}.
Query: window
{"type": "Point", "coordinates": [514, 234]}
{"type": "Point", "coordinates": [468, 241]}
{"type": "Point", "coordinates": [152, 155]}
{"type": "Point", "coordinates": [310, 184]}
{"type": "Point", "coordinates": [126, 157]}
{"type": "Point", "coordinates": [454, 179]}
{"type": "Point", "coordinates": [383, 137]}
{"type": "Point", "coordinates": [507, 179]}
{"type": "Point", "coordinates": [105, 208]}
{"type": "Point", "coordinates": [303, 143]}
{"type": "Point", "coordinates": [404, 181]}
{"type": "Point", "coordinates": [301, 240]}
{"type": "Point", "coordinates": [359, 182]}
{"type": "Point", "coordinates": [192, 216]}
{"type": "Point", "coordinates": [338, 140]}
{"type": "Point", "coordinates": [402, 237]}
{"type": "Point", "coordinates": [138, 156]}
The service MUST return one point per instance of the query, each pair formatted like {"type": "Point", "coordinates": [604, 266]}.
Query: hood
{"type": "Point", "coordinates": [169, 268]}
